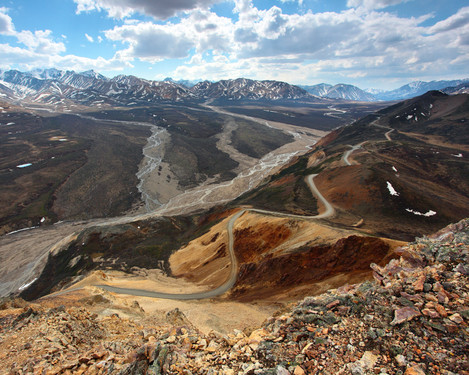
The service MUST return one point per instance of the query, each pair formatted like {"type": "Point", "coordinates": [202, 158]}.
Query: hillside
{"type": "Point", "coordinates": [412, 319]}
{"type": "Point", "coordinates": [397, 173]}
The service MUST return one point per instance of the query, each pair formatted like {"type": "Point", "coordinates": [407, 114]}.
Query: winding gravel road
{"type": "Point", "coordinates": [329, 211]}
{"type": "Point", "coordinates": [346, 155]}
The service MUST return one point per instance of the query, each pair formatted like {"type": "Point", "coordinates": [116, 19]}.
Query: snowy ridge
{"type": "Point", "coordinates": [340, 91]}
{"type": "Point", "coordinates": [55, 87]}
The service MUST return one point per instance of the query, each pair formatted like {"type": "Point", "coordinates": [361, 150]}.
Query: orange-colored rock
{"type": "Point", "coordinates": [299, 371]}
{"type": "Point", "coordinates": [418, 284]}
{"type": "Point", "coordinates": [414, 370]}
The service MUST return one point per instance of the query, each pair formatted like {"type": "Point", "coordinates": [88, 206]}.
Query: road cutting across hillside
{"type": "Point", "coordinates": [329, 211]}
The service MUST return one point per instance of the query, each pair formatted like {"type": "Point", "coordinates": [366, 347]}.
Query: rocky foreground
{"type": "Point", "coordinates": [412, 319]}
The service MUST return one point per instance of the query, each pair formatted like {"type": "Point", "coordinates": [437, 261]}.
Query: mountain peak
{"type": "Point", "coordinates": [92, 74]}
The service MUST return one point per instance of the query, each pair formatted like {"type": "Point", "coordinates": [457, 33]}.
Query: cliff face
{"type": "Point", "coordinates": [412, 319]}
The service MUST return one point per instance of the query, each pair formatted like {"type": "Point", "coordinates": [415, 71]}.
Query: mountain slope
{"type": "Point", "coordinates": [398, 173]}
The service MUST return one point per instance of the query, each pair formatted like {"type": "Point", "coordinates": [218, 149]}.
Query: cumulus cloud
{"type": "Point", "coordinates": [40, 41]}
{"type": "Point", "coordinates": [89, 38]}
{"type": "Point", "coordinates": [363, 41]}
{"type": "Point", "coordinates": [151, 42]}
{"type": "Point", "coordinates": [353, 44]}
{"type": "Point", "coordinates": [159, 9]}
{"type": "Point", "coordinates": [374, 4]}
{"type": "Point", "coordinates": [6, 25]}
{"type": "Point", "coordinates": [200, 31]}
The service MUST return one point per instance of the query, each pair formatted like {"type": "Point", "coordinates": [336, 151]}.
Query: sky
{"type": "Point", "coordinates": [380, 44]}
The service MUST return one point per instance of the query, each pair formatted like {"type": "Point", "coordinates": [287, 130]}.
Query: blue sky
{"type": "Point", "coordinates": [368, 43]}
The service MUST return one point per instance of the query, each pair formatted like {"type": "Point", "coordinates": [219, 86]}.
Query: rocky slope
{"type": "Point", "coordinates": [412, 319]}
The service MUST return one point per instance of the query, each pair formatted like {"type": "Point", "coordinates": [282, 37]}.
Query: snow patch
{"type": "Point", "coordinates": [394, 168]}
{"type": "Point", "coordinates": [20, 230]}
{"type": "Point", "coordinates": [409, 117]}
{"type": "Point", "coordinates": [23, 287]}
{"type": "Point", "coordinates": [457, 156]}
{"type": "Point", "coordinates": [24, 165]}
{"type": "Point", "coordinates": [427, 214]}
{"type": "Point", "coordinates": [391, 189]}
{"type": "Point", "coordinates": [43, 219]}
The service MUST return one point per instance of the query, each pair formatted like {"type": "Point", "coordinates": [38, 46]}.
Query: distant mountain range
{"type": "Point", "coordinates": [413, 89]}
{"type": "Point", "coordinates": [66, 88]}
{"type": "Point", "coordinates": [340, 91]}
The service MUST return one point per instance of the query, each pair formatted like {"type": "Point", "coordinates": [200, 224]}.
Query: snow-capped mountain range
{"type": "Point", "coordinates": [55, 87]}
{"type": "Point", "coordinates": [418, 88]}
{"type": "Point", "coordinates": [58, 87]}
{"type": "Point", "coordinates": [350, 92]}
{"type": "Point", "coordinates": [340, 91]}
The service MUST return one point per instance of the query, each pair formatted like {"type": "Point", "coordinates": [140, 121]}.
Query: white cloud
{"type": "Point", "coordinates": [374, 4]}
{"type": "Point", "coordinates": [40, 41]}
{"type": "Point", "coordinates": [159, 9]}
{"type": "Point", "coordinates": [201, 31]}
{"type": "Point", "coordinates": [300, 2]}
{"type": "Point", "coordinates": [460, 20]}
{"type": "Point", "coordinates": [89, 38]}
{"type": "Point", "coordinates": [357, 44]}
{"type": "Point", "coordinates": [25, 59]}
{"type": "Point", "coordinates": [6, 25]}
{"type": "Point", "coordinates": [151, 42]}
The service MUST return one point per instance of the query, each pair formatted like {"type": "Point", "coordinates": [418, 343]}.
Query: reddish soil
{"type": "Point", "coordinates": [252, 242]}
{"type": "Point", "coordinates": [346, 187]}
{"type": "Point", "coordinates": [274, 275]}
